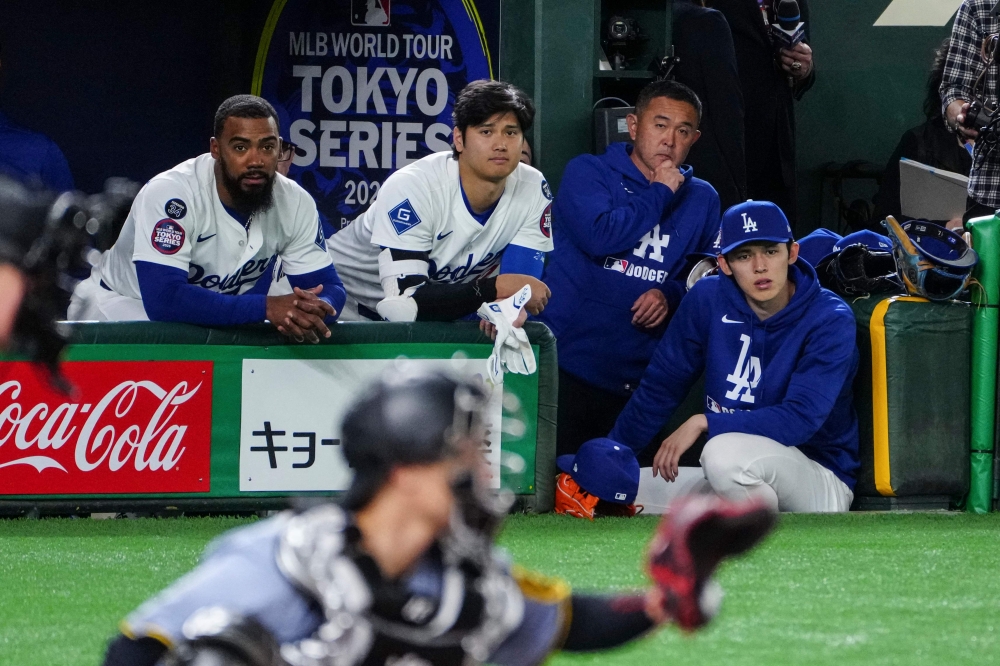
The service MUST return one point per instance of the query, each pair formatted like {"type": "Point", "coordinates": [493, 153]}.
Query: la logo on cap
{"type": "Point", "coordinates": [748, 224]}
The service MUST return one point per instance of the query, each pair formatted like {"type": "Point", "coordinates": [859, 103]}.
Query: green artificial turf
{"type": "Point", "coordinates": [848, 589]}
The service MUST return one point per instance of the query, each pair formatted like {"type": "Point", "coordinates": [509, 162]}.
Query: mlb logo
{"type": "Point", "coordinates": [620, 497]}
{"type": "Point", "coordinates": [613, 264]}
{"type": "Point", "coordinates": [370, 12]}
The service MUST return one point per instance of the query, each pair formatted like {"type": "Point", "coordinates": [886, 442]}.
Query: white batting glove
{"type": "Point", "coordinates": [511, 349]}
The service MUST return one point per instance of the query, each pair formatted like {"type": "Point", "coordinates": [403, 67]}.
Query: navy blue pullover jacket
{"type": "Point", "coordinates": [788, 378]}
{"type": "Point", "coordinates": [619, 237]}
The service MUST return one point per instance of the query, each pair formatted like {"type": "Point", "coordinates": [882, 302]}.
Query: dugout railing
{"type": "Point", "coordinates": [171, 417]}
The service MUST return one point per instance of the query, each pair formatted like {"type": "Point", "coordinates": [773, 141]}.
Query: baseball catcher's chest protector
{"type": "Point", "coordinates": [912, 395]}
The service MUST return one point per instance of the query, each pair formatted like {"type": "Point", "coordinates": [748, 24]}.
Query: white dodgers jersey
{"type": "Point", "coordinates": [177, 220]}
{"type": "Point", "coordinates": [421, 208]}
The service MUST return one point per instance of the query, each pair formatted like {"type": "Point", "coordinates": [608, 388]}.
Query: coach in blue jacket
{"type": "Point", "coordinates": [626, 220]}
{"type": "Point", "coordinates": [779, 359]}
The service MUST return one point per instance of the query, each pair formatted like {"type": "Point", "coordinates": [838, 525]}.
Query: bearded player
{"type": "Point", "coordinates": [201, 235]}
{"type": "Point", "coordinates": [457, 229]}
{"type": "Point", "coordinates": [404, 570]}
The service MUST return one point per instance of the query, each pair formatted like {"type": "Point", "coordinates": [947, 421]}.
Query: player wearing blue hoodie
{"type": "Point", "coordinates": [626, 221]}
{"type": "Point", "coordinates": [779, 359]}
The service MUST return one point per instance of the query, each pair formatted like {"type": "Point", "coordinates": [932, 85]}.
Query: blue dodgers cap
{"type": "Point", "coordinates": [753, 221]}
{"type": "Point", "coordinates": [604, 468]}
{"type": "Point", "coordinates": [870, 239]}
{"type": "Point", "coordinates": [818, 245]}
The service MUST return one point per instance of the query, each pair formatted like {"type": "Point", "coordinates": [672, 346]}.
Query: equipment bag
{"type": "Point", "coordinates": [912, 394]}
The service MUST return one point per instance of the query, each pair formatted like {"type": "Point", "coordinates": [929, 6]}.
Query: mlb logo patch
{"type": "Point", "coordinates": [168, 236]}
{"type": "Point", "coordinates": [403, 217]}
{"type": "Point", "coordinates": [370, 12]}
{"type": "Point", "coordinates": [619, 265]}
{"type": "Point", "coordinates": [620, 497]}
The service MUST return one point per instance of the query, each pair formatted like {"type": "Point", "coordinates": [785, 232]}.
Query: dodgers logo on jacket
{"type": "Point", "coordinates": [403, 217]}
{"type": "Point", "coordinates": [746, 375]}
{"type": "Point", "coordinates": [655, 241]}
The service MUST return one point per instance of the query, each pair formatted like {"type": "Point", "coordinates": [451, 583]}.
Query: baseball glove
{"type": "Point", "coordinates": [699, 532]}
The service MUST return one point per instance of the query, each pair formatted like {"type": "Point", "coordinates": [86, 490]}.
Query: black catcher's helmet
{"type": "Point", "coordinates": [408, 419]}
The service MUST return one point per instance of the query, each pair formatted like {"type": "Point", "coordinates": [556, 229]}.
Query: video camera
{"type": "Point", "coordinates": [54, 239]}
{"type": "Point", "coordinates": [622, 38]}
{"type": "Point", "coordinates": [981, 115]}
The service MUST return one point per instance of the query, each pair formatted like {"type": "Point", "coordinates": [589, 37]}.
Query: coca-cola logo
{"type": "Point", "coordinates": [131, 427]}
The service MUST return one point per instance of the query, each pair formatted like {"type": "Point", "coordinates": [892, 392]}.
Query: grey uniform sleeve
{"type": "Point", "coordinates": [540, 632]}
{"type": "Point", "coordinates": [239, 573]}
{"type": "Point", "coordinates": [544, 621]}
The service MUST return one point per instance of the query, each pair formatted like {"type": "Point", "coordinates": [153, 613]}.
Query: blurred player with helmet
{"type": "Point", "coordinates": [201, 236]}
{"type": "Point", "coordinates": [46, 240]}
{"type": "Point", "coordinates": [779, 358]}
{"type": "Point", "coordinates": [455, 229]}
{"type": "Point", "coordinates": [404, 569]}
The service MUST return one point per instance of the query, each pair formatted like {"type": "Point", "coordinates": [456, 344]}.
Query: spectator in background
{"type": "Point", "coordinates": [704, 45]}
{"type": "Point", "coordinates": [771, 79]}
{"type": "Point", "coordinates": [626, 221]}
{"type": "Point", "coordinates": [931, 143]}
{"type": "Point", "coordinates": [31, 157]}
{"type": "Point", "coordinates": [973, 23]}
{"type": "Point", "coordinates": [285, 157]}
{"type": "Point", "coordinates": [526, 152]}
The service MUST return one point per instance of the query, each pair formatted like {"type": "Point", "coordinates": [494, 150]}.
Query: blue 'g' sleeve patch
{"type": "Point", "coordinates": [320, 239]}
{"type": "Point", "coordinates": [403, 217]}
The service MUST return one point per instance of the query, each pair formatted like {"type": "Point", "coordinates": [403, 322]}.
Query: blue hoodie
{"type": "Point", "coordinates": [788, 377]}
{"type": "Point", "coordinates": [619, 237]}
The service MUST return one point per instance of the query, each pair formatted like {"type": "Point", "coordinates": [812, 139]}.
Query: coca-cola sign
{"type": "Point", "coordinates": [129, 427]}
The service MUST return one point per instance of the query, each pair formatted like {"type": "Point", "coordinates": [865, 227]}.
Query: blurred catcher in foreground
{"type": "Point", "coordinates": [404, 570]}
{"type": "Point", "coordinates": [46, 239]}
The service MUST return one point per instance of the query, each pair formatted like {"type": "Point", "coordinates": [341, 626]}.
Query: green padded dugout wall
{"type": "Point", "coordinates": [229, 349]}
{"type": "Point", "coordinates": [914, 373]}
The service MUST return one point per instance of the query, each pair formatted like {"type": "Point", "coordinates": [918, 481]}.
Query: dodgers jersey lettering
{"type": "Point", "coordinates": [178, 220]}
{"type": "Point", "coordinates": [420, 208]}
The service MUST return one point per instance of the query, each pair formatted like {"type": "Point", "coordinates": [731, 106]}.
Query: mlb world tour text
{"type": "Point", "coordinates": [338, 90]}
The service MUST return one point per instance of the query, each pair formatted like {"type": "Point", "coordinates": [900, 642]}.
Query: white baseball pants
{"type": "Point", "coordinates": [92, 302]}
{"type": "Point", "coordinates": [738, 466]}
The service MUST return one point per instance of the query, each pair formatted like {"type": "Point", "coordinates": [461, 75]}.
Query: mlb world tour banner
{"type": "Point", "coordinates": [364, 87]}
{"type": "Point", "coordinates": [170, 415]}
